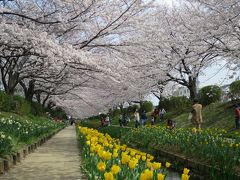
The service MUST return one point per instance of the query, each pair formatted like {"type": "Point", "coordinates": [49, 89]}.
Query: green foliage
{"type": "Point", "coordinates": [37, 109]}
{"type": "Point", "coordinates": [6, 102]}
{"type": "Point", "coordinates": [132, 108]}
{"type": "Point", "coordinates": [58, 113]}
{"type": "Point", "coordinates": [146, 106]}
{"type": "Point", "coordinates": [15, 104]}
{"type": "Point", "coordinates": [116, 112]}
{"type": "Point", "coordinates": [175, 104]}
{"type": "Point", "coordinates": [235, 89]}
{"type": "Point", "coordinates": [210, 94]}
{"type": "Point", "coordinates": [21, 106]}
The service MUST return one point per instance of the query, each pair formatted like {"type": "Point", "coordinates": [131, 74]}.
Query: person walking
{"type": "Point", "coordinates": [136, 118]}
{"type": "Point", "coordinates": [154, 116]}
{"type": "Point", "coordinates": [143, 118]}
{"type": "Point", "coordinates": [120, 120]}
{"type": "Point", "coordinates": [107, 121]}
{"type": "Point", "coordinates": [237, 115]}
{"type": "Point", "coordinates": [197, 114]}
{"type": "Point", "coordinates": [161, 113]}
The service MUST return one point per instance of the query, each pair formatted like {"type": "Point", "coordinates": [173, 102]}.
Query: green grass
{"type": "Point", "coordinates": [216, 115]}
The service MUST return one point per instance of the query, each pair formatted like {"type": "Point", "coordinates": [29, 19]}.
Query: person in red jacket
{"type": "Point", "coordinates": [237, 116]}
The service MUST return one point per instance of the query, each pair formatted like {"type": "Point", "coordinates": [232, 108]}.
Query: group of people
{"type": "Point", "coordinates": [141, 119]}
{"type": "Point", "coordinates": [105, 121]}
{"type": "Point", "coordinates": [157, 112]}
{"type": "Point", "coordinates": [195, 116]}
{"type": "Point", "coordinates": [124, 119]}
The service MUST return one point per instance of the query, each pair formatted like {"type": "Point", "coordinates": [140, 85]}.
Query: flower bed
{"type": "Point", "coordinates": [106, 158]}
{"type": "Point", "coordinates": [208, 146]}
{"type": "Point", "coordinates": [16, 132]}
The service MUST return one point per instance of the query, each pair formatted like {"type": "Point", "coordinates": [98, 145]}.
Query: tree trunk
{"type": "Point", "coordinates": [192, 88]}
{"type": "Point", "coordinates": [45, 100]}
{"type": "Point", "coordinates": [11, 83]}
{"type": "Point", "coordinates": [28, 91]}
{"type": "Point", "coordinates": [38, 97]}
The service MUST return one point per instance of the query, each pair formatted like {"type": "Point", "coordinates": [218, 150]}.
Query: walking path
{"type": "Point", "coordinates": [57, 159]}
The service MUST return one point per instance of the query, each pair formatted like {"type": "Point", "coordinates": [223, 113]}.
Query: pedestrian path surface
{"type": "Point", "coordinates": [57, 159]}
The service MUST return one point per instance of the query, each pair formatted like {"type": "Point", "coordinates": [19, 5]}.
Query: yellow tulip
{"type": "Point", "coordinates": [132, 153]}
{"type": "Point", "coordinates": [143, 158]}
{"type": "Point", "coordinates": [138, 156]}
{"type": "Point", "coordinates": [149, 165]}
{"type": "Point", "coordinates": [146, 175]}
{"type": "Point", "coordinates": [194, 130]}
{"type": "Point", "coordinates": [186, 171]}
{"type": "Point", "coordinates": [108, 176]}
{"type": "Point", "coordinates": [125, 159]}
{"type": "Point", "coordinates": [156, 165]}
{"type": "Point", "coordinates": [132, 164]}
{"type": "Point", "coordinates": [88, 143]}
{"type": "Point", "coordinates": [115, 169]}
{"type": "Point", "coordinates": [101, 166]}
{"type": "Point", "coordinates": [168, 164]}
{"type": "Point", "coordinates": [107, 155]}
{"type": "Point", "coordinates": [149, 173]}
{"type": "Point", "coordinates": [115, 154]}
{"type": "Point", "coordinates": [160, 176]}
{"type": "Point", "coordinates": [143, 176]}
{"type": "Point", "coordinates": [185, 177]}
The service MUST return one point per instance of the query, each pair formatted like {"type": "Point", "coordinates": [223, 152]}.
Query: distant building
{"type": "Point", "coordinates": [182, 91]}
{"type": "Point", "coordinates": [225, 93]}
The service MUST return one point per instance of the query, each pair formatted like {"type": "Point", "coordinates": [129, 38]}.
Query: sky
{"type": "Point", "coordinates": [217, 74]}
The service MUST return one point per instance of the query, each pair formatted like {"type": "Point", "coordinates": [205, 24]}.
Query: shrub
{"type": "Point", "coordinates": [59, 113]}
{"type": "Point", "coordinates": [15, 104]}
{"type": "Point", "coordinates": [235, 89]}
{"type": "Point", "coordinates": [132, 108]}
{"type": "Point", "coordinates": [147, 106]}
{"type": "Point", "coordinates": [179, 104]}
{"type": "Point", "coordinates": [21, 106]}
{"type": "Point", "coordinates": [209, 94]}
{"type": "Point", "coordinates": [6, 102]}
{"type": "Point", "coordinates": [116, 112]}
{"type": "Point", "coordinates": [37, 109]}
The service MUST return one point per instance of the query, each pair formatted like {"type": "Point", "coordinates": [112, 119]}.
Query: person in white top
{"type": "Point", "coordinates": [107, 120]}
{"type": "Point", "coordinates": [136, 118]}
{"type": "Point", "coordinates": [161, 113]}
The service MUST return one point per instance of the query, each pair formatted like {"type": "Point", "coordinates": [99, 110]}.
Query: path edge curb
{"type": "Point", "coordinates": [9, 161]}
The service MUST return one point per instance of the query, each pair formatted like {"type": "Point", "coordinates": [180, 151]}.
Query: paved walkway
{"type": "Point", "coordinates": [57, 159]}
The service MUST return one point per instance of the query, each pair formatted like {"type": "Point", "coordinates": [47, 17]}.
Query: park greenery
{"type": "Point", "coordinates": [210, 94]}
{"type": "Point", "coordinates": [235, 89]}
{"type": "Point", "coordinates": [87, 58]}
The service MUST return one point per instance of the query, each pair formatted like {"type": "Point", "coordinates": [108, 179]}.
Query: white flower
{"type": "Point", "coordinates": [3, 136]}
